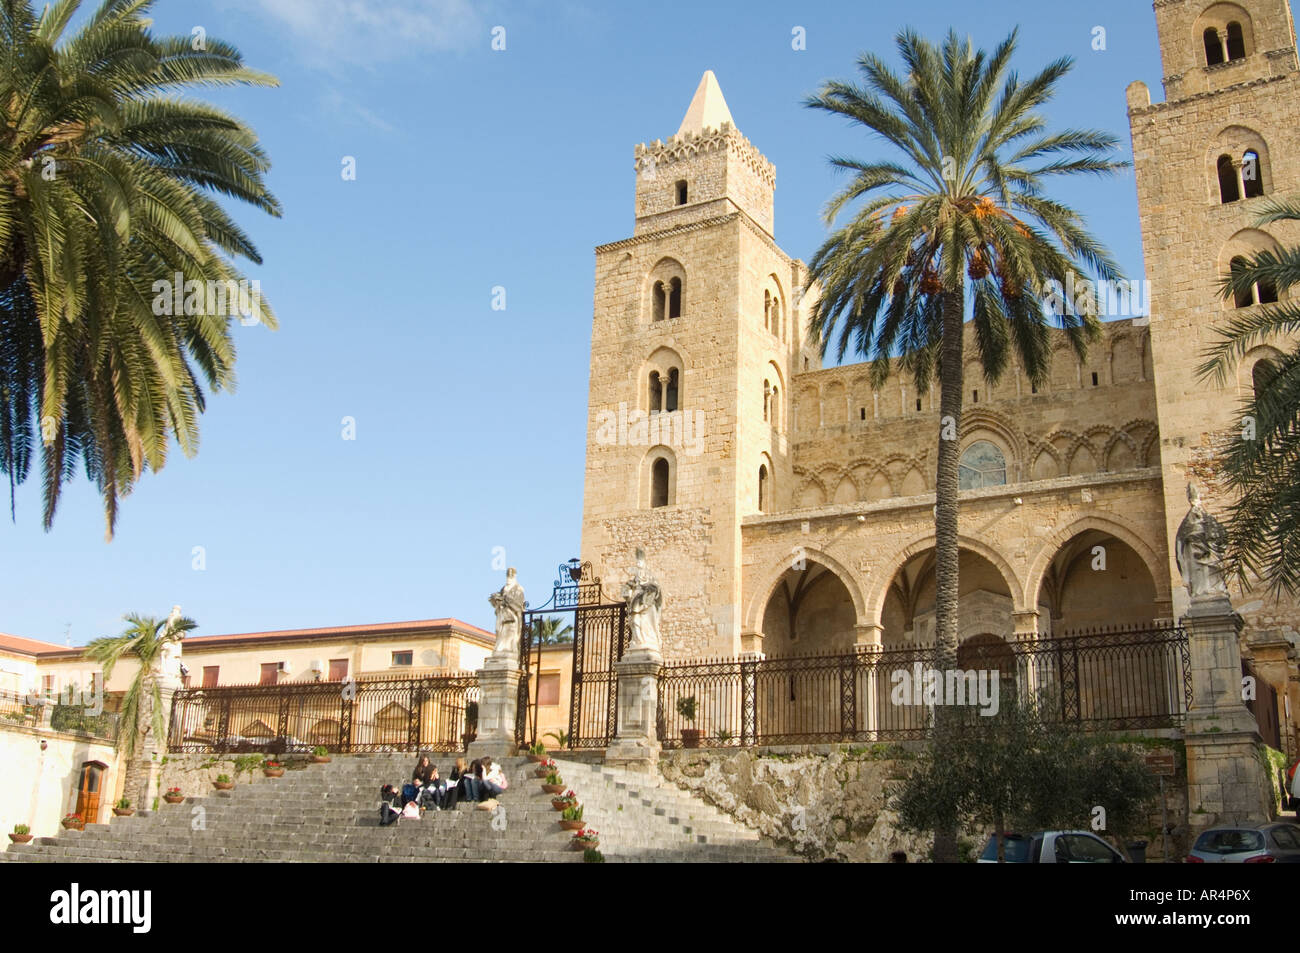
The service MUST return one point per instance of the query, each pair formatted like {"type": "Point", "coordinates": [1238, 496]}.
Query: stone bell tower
{"type": "Point", "coordinates": [695, 334]}
{"type": "Point", "coordinates": [1222, 144]}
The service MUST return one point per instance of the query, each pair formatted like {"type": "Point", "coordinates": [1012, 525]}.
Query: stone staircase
{"type": "Point", "coordinates": [644, 819]}
{"type": "Point", "coordinates": [328, 813]}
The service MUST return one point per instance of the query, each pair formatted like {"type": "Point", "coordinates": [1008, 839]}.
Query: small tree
{"type": "Point", "coordinates": [1021, 767]}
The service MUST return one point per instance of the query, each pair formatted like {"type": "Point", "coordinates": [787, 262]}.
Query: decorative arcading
{"type": "Point", "coordinates": [689, 144]}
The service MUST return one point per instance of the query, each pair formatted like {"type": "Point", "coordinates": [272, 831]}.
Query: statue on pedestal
{"type": "Point", "coordinates": [509, 605]}
{"type": "Point", "coordinates": [167, 663]}
{"type": "Point", "coordinates": [1199, 547]}
{"type": "Point", "coordinates": [645, 603]}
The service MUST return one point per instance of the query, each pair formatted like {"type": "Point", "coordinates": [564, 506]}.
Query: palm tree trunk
{"type": "Point", "coordinates": [945, 521]}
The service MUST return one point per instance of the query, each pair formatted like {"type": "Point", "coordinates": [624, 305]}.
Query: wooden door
{"type": "Point", "coordinates": [92, 776]}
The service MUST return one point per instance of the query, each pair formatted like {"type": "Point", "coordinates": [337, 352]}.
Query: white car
{"type": "Point", "coordinates": [1052, 847]}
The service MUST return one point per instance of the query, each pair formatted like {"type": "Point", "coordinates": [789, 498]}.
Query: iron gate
{"type": "Point", "coordinates": [600, 637]}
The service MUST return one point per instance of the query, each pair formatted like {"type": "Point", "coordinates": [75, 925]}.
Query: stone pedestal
{"type": "Point", "coordinates": [636, 741]}
{"type": "Point", "coordinates": [153, 749]}
{"type": "Point", "coordinates": [1227, 775]}
{"type": "Point", "coordinates": [498, 684]}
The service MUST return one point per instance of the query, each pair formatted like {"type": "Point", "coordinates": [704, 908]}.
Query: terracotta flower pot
{"type": "Point", "coordinates": [173, 798]}
{"type": "Point", "coordinates": [74, 825]}
{"type": "Point", "coordinates": [319, 759]}
{"type": "Point", "coordinates": [536, 758]}
{"type": "Point", "coordinates": [223, 785]}
{"type": "Point", "coordinates": [559, 805]}
{"type": "Point", "coordinates": [273, 772]}
{"type": "Point", "coordinates": [123, 811]}
{"type": "Point", "coordinates": [540, 772]}
{"type": "Point", "coordinates": [553, 788]}
{"type": "Point", "coordinates": [691, 737]}
{"type": "Point", "coordinates": [571, 825]}
{"type": "Point", "coordinates": [584, 844]}
{"type": "Point", "coordinates": [20, 838]}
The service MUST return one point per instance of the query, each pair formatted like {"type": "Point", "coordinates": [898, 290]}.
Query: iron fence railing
{"type": "Point", "coordinates": [433, 713]}
{"type": "Point", "coordinates": [1104, 680]}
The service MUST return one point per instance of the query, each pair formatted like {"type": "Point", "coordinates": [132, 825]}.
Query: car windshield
{"type": "Point", "coordinates": [1016, 850]}
{"type": "Point", "coordinates": [1230, 842]}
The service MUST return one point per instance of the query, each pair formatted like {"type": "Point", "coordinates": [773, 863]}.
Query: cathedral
{"type": "Point", "coordinates": [787, 507]}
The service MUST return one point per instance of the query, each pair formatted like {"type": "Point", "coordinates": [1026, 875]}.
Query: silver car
{"type": "Point", "coordinates": [1052, 847]}
{"type": "Point", "coordinates": [1277, 843]}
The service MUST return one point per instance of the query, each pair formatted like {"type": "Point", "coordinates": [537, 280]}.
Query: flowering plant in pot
{"type": "Point", "coordinates": [173, 796]}
{"type": "Point", "coordinates": [223, 782]}
{"type": "Point", "coordinates": [585, 838]}
{"type": "Point", "coordinates": [686, 708]}
{"type": "Point", "coordinates": [567, 799]}
{"type": "Point", "coordinates": [537, 752]}
{"type": "Point", "coordinates": [272, 768]}
{"type": "Point", "coordinates": [554, 783]}
{"type": "Point", "coordinates": [74, 822]}
{"type": "Point", "coordinates": [320, 755]}
{"type": "Point", "coordinates": [123, 808]}
{"type": "Point", "coordinates": [571, 818]}
{"type": "Point", "coordinates": [544, 767]}
{"type": "Point", "coordinates": [21, 835]}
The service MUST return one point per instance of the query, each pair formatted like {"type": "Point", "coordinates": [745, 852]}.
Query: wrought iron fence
{"type": "Point", "coordinates": [28, 710]}
{"type": "Point", "coordinates": [433, 713]}
{"type": "Point", "coordinates": [1104, 680]}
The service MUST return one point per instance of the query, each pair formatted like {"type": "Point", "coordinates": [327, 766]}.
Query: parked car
{"type": "Point", "coordinates": [1276, 843]}
{"type": "Point", "coordinates": [1052, 847]}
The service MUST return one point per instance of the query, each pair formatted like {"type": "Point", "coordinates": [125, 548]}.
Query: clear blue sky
{"type": "Point", "coordinates": [475, 169]}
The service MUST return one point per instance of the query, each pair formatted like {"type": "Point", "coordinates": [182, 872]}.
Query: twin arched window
{"type": "Point", "coordinates": [1262, 292]}
{"type": "Point", "coordinates": [667, 299]}
{"type": "Point", "coordinates": [1225, 48]}
{"type": "Point", "coordinates": [664, 391]}
{"type": "Point", "coordinates": [772, 313]}
{"type": "Point", "coordinates": [982, 464]}
{"type": "Point", "coordinates": [1236, 182]}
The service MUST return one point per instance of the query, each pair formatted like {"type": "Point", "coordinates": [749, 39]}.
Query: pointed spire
{"type": "Point", "coordinates": [708, 110]}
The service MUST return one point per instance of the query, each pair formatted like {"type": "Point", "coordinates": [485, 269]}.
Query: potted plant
{"type": "Point", "coordinates": [561, 801]}
{"type": "Point", "coordinates": [21, 835]}
{"type": "Point", "coordinates": [123, 808]}
{"type": "Point", "coordinates": [554, 783]}
{"type": "Point", "coordinates": [537, 752]}
{"type": "Point", "coordinates": [173, 796]}
{"type": "Point", "coordinates": [724, 736]}
{"type": "Point", "coordinates": [686, 708]}
{"type": "Point", "coordinates": [571, 818]}
{"type": "Point", "coordinates": [545, 767]}
{"type": "Point", "coordinates": [320, 755]}
{"type": "Point", "coordinates": [223, 782]}
{"type": "Point", "coordinates": [585, 839]}
{"type": "Point", "coordinates": [272, 768]}
{"type": "Point", "coordinates": [74, 822]}
{"type": "Point", "coordinates": [471, 723]}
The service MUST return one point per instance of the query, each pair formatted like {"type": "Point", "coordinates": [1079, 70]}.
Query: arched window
{"type": "Point", "coordinates": [1213, 47]}
{"type": "Point", "coordinates": [660, 300]}
{"type": "Point", "coordinates": [656, 392]}
{"type": "Point", "coordinates": [659, 484]}
{"type": "Point", "coordinates": [1262, 292]}
{"type": "Point", "coordinates": [675, 298]}
{"type": "Point", "coordinates": [776, 316]}
{"type": "Point", "coordinates": [767, 310]}
{"type": "Point", "coordinates": [982, 465]}
{"type": "Point", "coordinates": [680, 188]}
{"type": "Point", "coordinates": [767, 397]}
{"type": "Point", "coordinates": [670, 394]}
{"type": "Point", "coordinates": [776, 408]}
{"type": "Point", "coordinates": [763, 489]}
{"type": "Point", "coordinates": [1262, 375]}
{"type": "Point", "coordinates": [1236, 42]}
{"type": "Point", "coordinates": [1252, 179]}
{"type": "Point", "coordinates": [1228, 191]}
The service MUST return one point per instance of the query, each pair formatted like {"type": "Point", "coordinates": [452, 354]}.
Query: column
{"type": "Point", "coordinates": [498, 685]}
{"type": "Point", "coordinates": [636, 739]}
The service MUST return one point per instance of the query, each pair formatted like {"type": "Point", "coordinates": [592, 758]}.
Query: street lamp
{"type": "Point", "coordinates": [575, 569]}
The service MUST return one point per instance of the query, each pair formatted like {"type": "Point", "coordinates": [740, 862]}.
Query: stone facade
{"type": "Point", "coordinates": [797, 514]}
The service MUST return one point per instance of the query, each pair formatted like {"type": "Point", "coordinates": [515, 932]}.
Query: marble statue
{"type": "Point", "coordinates": [1199, 547]}
{"type": "Point", "coordinates": [509, 605]}
{"type": "Point", "coordinates": [168, 662]}
{"type": "Point", "coordinates": [645, 603]}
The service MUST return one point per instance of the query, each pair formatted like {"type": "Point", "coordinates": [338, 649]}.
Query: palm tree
{"type": "Point", "coordinates": [1260, 460]}
{"type": "Point", "coordinates": [548, 632]}
{"type": "Point", "coordinates": [140, 714]}
{"type": "Point", "coordinates": [109, 181]}
{"type": "Point", "coordinates": [961, 215]}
